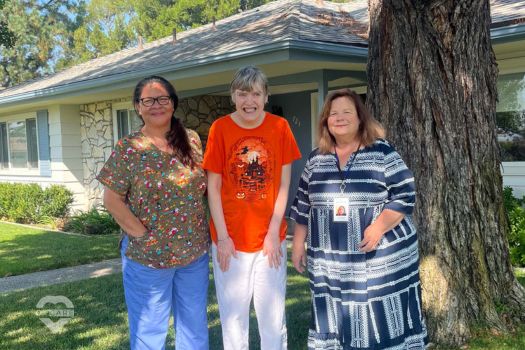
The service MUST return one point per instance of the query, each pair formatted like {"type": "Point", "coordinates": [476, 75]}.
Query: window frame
{"type": "Point", "coordinates": [502, 107]}
{"type": "Point", "coordinates": [28, 170]}
{"type": "Point", "coordinates": [115, 109]}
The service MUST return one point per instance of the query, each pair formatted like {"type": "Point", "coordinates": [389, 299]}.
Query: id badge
{"type": "Point", "coordinates": [340, 209]}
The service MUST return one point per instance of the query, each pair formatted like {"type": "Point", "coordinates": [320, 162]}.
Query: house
{"type": "Point", "coordinates": [61, 128]}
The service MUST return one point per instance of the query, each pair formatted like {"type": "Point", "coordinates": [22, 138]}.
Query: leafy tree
{"type": "Point", "coordinates": [250, 4]}
{"type": "Point", "coordinates": [42, 36]}
{"type": "Point", "coordinates": [6, 36]}
{"type": "Point", "coordinates": [104, 29]}
{"type": "Point", "coordinates": [38, 32]}
{"type": "Point", "coordinates": [432, 81]}
{"type": "Point", "coordinates": [111, 25]}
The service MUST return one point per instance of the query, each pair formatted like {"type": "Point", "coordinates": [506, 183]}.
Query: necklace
{"type": "Point", "coordinates": [350, 163]}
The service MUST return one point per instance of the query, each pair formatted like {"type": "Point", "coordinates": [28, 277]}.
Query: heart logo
{"type": "Point", "coordinates": [64, 314]}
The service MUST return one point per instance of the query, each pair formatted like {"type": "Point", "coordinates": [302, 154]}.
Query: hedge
{"type": "Point", "coordinates": [31, 204]}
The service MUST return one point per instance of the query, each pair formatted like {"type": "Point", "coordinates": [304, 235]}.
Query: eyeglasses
{"type": "Point", "coordinates": [150, 101]}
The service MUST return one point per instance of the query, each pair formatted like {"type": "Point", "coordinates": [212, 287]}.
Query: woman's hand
{"type": "Point", "coordinates": [371, 238]}
{"type": "Point", "coordinates": [225, 250]}
{"type": "Point", "coordinates": [272, 249]}
{"type": "Point", "coordinates": [272, 241]}
{"type": "Point", "coordinates": [118, 208]}
{"type": "Point", "coordinates": [139, 236]}
{"type": "Point", "coordinates": [225, 245]}
{"type": "Point", "coordinates": [298, 249]}
{"type": "Point", "coordinates": [387, 220]}
{"type": "Point", "coordinates": [298, 256]}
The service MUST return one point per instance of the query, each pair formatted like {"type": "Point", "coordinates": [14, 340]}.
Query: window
{"type": "Point", "coordinates": [127, 121]}
{"type": "Point", "coordinates": [510, 117]}
{"type": "Point", "coordinates": [19, 144]}
{"type": "Point", "coordinates": [4, 158]}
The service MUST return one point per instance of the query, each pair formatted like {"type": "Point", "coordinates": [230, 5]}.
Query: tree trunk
{"type": "Point", "coordinates": [432, 82]}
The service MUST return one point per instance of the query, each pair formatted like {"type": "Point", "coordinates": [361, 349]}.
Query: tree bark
{"type": "Point", "coordinates": [432, 82]}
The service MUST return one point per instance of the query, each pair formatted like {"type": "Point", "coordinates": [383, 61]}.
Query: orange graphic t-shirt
{"type": "Point", "coordinates": [250, 162]}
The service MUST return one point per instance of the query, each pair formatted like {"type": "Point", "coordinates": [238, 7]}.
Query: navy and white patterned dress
{"type": "Point", "coordinates": [361, 300]}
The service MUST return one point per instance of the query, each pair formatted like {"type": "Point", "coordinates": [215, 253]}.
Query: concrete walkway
{"type": "Point", "coordinates": [63, 275]}
{"type": "Point", "coordinates": [70, 274]}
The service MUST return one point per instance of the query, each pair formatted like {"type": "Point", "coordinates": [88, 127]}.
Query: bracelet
{"type": "Point", "coordinates": [224, 239]}
{"type": "Point", "coordinates": [139, 238]}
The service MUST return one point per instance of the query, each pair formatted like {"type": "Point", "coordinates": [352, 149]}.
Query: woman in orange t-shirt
{"type": "Point", "coordinates": [248, 159]}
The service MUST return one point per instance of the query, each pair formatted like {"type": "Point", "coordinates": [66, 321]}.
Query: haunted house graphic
{"type": "Point", "coordinates": [250, 167]}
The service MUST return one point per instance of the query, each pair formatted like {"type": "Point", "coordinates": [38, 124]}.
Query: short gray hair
{"type": "Point", "coordinates": [246, 78]}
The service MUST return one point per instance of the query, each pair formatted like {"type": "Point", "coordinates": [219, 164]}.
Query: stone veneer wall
{"type": "Point", "coordinates": [96, 132]}
{"type": "Point", "coordinates": [96, 121]}
{"type": "Point", "coordinates": [198, 113]}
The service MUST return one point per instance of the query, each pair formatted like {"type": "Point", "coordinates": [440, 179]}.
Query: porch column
{"type": "Point", "coordinates": [322, 90]}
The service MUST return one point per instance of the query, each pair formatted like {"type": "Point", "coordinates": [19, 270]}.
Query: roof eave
{"type": "Point", "coordinates": [508, 33]}
{"type": "Point", "coordinates": [358, 53]}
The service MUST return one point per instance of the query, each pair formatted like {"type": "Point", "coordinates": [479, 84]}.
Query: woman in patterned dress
{"type": "Point", "coordinates": [154, 187]}
{"type": "Point", "coordinates": [363, 266]}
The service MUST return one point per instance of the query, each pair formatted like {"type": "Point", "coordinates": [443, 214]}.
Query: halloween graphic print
{"type": "Point", "coordinates": [251, 168]}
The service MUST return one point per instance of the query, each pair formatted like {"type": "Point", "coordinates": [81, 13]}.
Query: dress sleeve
{"type": "Point", "coordinates": [115, 173]}
{"type": "Point", "coordinates": [214, 156]}
{"type": "Point", "coordinates": [289, 145]}
{"type": "Point", "coordinates": [300, 209]}
{"type": "Point", "coordinates": [400, 183]}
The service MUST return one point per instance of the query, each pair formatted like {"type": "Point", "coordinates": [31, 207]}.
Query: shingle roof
{"type": "Point", "coordinates": [506, 12]}
{"type": "Point", "coordinates": [279, 21]}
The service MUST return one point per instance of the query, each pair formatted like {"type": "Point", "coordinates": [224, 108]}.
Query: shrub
{"type": "Point", "coordinates": [92, 222]}
{"type": "Point", "coordinates": [57, 201]}
{"type": "Point", "coordinates": [29, 203]}
{"type": "Point", "coordinates": [20, 202]}
{"type": "Point", "coordinates": [6, 195]}
{"type": "Point", "coordinates": [516, 216]}
{"type": "Point", "coordinates": [512, 151]}
{"type": "Point", "coordinates": [510, 201]}
{"type": "Point", "coordinates": [517, 236]}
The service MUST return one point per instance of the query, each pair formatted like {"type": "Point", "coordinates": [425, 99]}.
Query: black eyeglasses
{"type": "Point", "coordinates": [150, 101]}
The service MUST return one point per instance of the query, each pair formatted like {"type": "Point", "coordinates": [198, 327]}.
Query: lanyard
{"type": "Point", "coordinates": [353, 156]}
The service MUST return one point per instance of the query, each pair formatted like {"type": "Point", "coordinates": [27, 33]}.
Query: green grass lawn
{"type": "Point", "coordinates": [100, 320]}
{"type": "Point", "coordinates": [24, 250]}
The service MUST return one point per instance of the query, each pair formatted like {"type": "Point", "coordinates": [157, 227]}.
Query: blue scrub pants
{"type": "Point", "coordinates": [151, 296]}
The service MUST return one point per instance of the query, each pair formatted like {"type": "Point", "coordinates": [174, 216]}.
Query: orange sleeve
{"type": "Point", "coordinates": [290, 150]}
{"type": "Point", "coordinates": [214, 155]}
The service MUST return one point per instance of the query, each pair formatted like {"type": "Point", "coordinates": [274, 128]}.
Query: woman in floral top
{"type": "Point", "coordinates": [154, 187]}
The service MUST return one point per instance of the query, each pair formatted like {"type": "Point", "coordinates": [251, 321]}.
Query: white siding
{"type": "Point", "coordinates": [66, 150]}
{"type": "Point", "coordinates": [514, 176]}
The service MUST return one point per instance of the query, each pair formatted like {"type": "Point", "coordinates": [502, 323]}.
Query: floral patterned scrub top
{"type": "Point", "coordinates": [165, 195]}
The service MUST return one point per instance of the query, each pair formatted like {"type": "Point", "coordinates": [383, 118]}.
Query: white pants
{"type": "Point", "coordinates": [250, 275]}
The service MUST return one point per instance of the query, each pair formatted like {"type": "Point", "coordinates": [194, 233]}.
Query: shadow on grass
{"type": "Point", "coordinates": [38, 250]}
{"type": "Point", "coordinates": [99, 321]}
{"type": "Point", "coordinates": [100, 317]}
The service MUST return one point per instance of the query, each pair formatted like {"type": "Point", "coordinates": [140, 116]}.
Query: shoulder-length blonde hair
{"type": "Point", "coordinates": [369, 128]}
